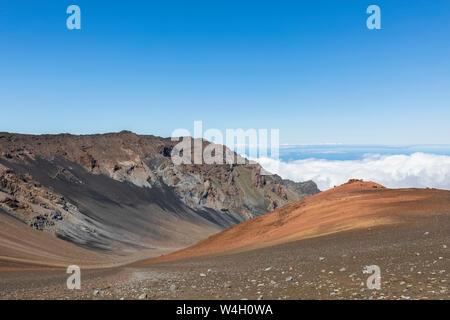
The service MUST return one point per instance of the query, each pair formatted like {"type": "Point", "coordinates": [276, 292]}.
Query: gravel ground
{"type": "Point", "coordinates": [414, 262]}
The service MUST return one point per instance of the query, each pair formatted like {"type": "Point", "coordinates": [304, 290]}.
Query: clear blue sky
{"type": "Point", "coordinates": [310, 68]}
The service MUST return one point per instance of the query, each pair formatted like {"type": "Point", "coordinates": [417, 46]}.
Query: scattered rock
{"type": "Point", "coordinates": [143, 296]}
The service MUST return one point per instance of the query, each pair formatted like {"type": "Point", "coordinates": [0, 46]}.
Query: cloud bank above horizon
{"type": "Point", "coordinates": [418, 170]}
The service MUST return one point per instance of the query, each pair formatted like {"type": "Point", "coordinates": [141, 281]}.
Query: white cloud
{"type": "Point", "coordinates": [419, 170]}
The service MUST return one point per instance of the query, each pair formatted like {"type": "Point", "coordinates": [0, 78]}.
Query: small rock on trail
{"type": "Point", "coordinates": [143, 296]}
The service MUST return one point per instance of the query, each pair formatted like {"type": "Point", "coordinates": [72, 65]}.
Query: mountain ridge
{"type": "Point", "coordinates": [121, 191]}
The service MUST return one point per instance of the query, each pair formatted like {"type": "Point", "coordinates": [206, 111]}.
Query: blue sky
{"type": "Point", "coordinates": [310, 68]}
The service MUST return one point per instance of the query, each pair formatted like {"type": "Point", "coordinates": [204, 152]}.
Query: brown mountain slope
{"type": "Point", "coordinates": [122, 192]}
{"type": "Point", "coordinates": [352, 206]}
{"type": "Point", "coordinates": [145, 161]}
{"type": "Point", "coordinates": [22, 247]}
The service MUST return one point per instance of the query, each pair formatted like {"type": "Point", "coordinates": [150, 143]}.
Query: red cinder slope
{"type": "Point", "coordinates": [354, 205]}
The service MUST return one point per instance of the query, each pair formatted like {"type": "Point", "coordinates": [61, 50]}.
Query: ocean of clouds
{"type": "Point", "coordinates": [419, 170]}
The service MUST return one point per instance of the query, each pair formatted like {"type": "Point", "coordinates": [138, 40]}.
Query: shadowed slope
{"type": "Point", "coordinates": [121, 192]}
{"type": "Point", "coordinates": [22, 247]}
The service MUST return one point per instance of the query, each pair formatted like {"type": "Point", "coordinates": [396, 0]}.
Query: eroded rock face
{"type": "Point", "coordinates": [37, 206]}
{"type": "Point", "coordinates": [145, 162]}
{"type": "Point", "coordinates": [39, 173]}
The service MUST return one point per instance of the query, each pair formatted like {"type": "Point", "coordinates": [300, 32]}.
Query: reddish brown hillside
{"type": "Point", "coordinates": [354, 205]}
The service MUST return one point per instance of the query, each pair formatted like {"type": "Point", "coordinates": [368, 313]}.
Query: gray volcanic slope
{"type": "Point", "coordinates": [121, 193]}
{"type": "Point", "coordinates": [119, 213]}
